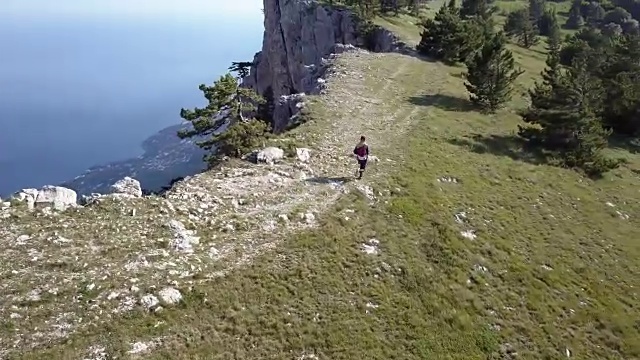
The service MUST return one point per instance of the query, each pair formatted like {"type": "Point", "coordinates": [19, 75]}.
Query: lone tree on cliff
{"type": "Point", "coordinates": [241, 68]}
{"type": "Point", "coordinates": [227, 101]}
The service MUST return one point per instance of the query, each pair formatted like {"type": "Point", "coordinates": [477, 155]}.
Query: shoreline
{"type": "Point", "coordinates": [164, 157]}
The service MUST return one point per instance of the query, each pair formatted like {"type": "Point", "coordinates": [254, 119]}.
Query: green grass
{"type": "Point", "coordinates": [560, 265]}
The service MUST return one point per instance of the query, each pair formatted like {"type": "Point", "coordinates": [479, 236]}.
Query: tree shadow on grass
{"type": "Point", "coordinates": [540, 52]}
{"type": "Point", "coordinates": [566, 27]}
{"type": "Point", "coordinates": [510, 146]}
{"type": "Point", "coordinates": [329, 180]}
{"type": "Point", "coordinates": [444, 102]}
{"type": "Point", "coordinates": [408, 50]}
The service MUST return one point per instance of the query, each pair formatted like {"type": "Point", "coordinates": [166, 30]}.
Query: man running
{"type": "Point", "coordinates": [362, 154]}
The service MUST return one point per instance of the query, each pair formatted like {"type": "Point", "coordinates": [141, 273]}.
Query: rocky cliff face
{"type": "Point", "coordinates": [298, 35]}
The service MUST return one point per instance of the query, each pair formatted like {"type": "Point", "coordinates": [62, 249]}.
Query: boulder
{"type": "Point", "coordinates": [26, 194]}
{"type": "Point", "coordinates": [170, 295]}
{"type": "Point", "coordinates": [183, 239]}
{"type": "Point", "coordinates": [58, 197]}
{"type": "Point", "coordinates": [270, 155]}
{"type": "Point", "coordinates": [90, 199]}
{"type": "Point", "coordinates": [127, 186]}
{"type": "Point", "coordinates": [303, 154]}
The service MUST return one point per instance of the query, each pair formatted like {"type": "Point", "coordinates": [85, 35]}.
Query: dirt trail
{"type": "Point", "coordinates": [62, 271]}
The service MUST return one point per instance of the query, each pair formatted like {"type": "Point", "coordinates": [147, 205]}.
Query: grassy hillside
{"type": "Point", "coordinates": [513, 259]}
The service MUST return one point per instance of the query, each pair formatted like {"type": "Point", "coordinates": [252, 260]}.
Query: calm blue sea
{"type": "Point", "coordinates": [83, 83]}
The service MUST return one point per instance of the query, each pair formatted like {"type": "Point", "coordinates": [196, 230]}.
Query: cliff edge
{"type": "Point", "coordinates": [299, 35]}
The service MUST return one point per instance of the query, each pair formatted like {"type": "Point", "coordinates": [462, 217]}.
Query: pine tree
{"type": "Point", "coordinates": [554, 44]}
{"type": "Point", "coordinates": [575, 19]}
{"type": "Point", "coordinates": [514, 22]}
{"type": "Point", "coordinates": [537, 9]}
{"type": "Point", "coordinates": [617, 16]}
{"type": "Point", "coordinates": [491, 73]}
{"type": "Point", "coordinates": [446, 37]}
{"type": "Point", "coordinates": [475, 32]}
{"type": "Point", "coordinates": [589, 138]}
{"type": "Point", "coordinates": [520, 25]}
{"type": "Point", "coordinates": [477, 8]}
{"type": "Point", "coordinates": [242, 68]}
{"type": "Point", "coordinates": [548, 23]}
{"type": "Point", "coordinates": [564, 109]}
{"type": "Point", "coordinates": [221, 99]}
{"type": "Point", "coordinates": [543, 98]}
{"type": "Point", "coordinates": [434, 31]}
{"type": "Point", "coordinates": [621, 76]}
{"type": "Point", "coordinates": [590, 43]}
{"type": "Point", "coordinates": [414, 7]}
{"type": "Point", "coordinates": [227, 102]}
{"type": "Point", "coordinates": [553, 33]}
{"type": "Point", "coordinates": [241, 138]}
{"type": "Point", "coordinates": [631, 27]}
{"type": "Point", "coordinates": [611, 30]}
{"type": "Point", "coordinates": [529, 35]}
{"type": "Point", "coordinates": [595, 13]}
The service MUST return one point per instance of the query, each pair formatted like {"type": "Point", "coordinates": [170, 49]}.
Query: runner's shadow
{"type": "Point", "coordinates": [328, 180]}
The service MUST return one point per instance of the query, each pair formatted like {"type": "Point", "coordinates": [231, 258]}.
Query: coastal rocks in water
{"type": "Point", "coordinates": [58, 197]}
{"type": "Point", "coordinates": [270, 155]}
{"type": "Point", "coordinates": [127, 186]}
{"type": "Point", "coordinates": [165, 157]}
